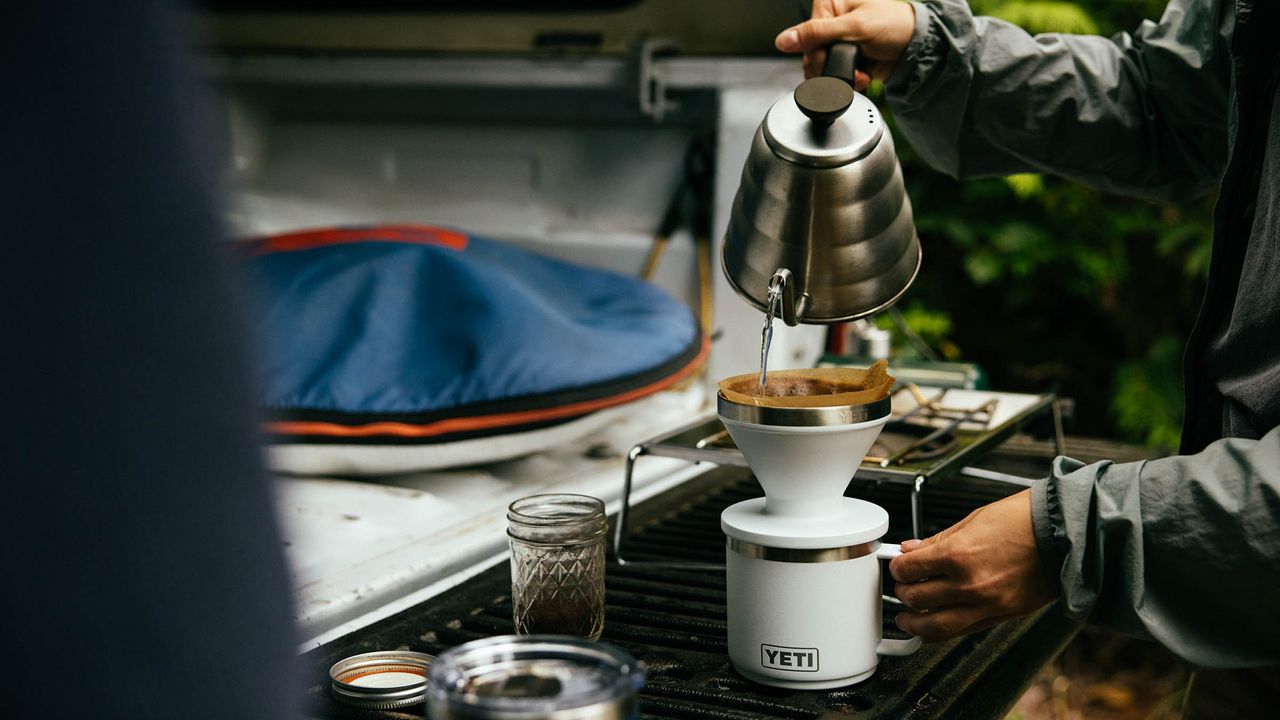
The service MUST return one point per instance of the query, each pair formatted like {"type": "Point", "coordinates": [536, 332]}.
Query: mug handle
{"type": "Point", "coordinates": [890, 646]}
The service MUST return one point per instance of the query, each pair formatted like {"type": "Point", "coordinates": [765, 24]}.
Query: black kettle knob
{"type": "Point", "coordinates": [825, 98]}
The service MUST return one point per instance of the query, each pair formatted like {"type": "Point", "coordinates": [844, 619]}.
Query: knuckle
{"type": "Point", "coordinates": [952, 564]}
{"type": "Point", "coordinates": [807, 33]}
{"type": "Point", "coordinates": [984, 589]}
{"type": "Point", "coordinates": [820, 31]}
{"type": "Point", "coordinates": [973, 584]}
{"type": "Point", "coordinates": [963, 552]}
{"type": "Point", "coordinates": [851, 25]}
{"type": "Point", "coordinates": [900, 569]}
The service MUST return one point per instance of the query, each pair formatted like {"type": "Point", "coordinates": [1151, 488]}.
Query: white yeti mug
{"type": "Point", "coordinates": [808, 618]}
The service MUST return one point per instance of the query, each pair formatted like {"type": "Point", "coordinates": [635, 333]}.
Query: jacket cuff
{"type": "Point", "coordinates": [1047, 523]}
{"type": "Point", "coordinates": [908, 73]}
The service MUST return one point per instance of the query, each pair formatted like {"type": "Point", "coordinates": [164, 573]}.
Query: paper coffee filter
{"type": "Point", "coordinates": [812, 387]}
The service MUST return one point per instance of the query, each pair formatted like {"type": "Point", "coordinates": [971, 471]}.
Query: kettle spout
{"type": "Point", "coordinates": [782, 296]}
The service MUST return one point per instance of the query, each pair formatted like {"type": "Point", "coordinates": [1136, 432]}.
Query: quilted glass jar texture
{"type": "Point", "coordinates": [557, 565]}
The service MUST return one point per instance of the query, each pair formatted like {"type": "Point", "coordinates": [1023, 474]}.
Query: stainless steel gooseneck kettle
{"type": "Point", "coordinates": [821, 215]}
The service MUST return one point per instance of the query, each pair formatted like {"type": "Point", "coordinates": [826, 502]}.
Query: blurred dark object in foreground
{"type": "Point", "coordinates": [144, 565]}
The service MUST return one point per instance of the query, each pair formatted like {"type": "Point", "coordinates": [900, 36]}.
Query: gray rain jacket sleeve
{"type": "Point", "coordinates": [1142, 114]}
{"type": "Point", "coordinates": [1185, 550]}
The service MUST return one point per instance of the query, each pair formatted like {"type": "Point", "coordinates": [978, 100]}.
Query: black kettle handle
{"type": "Point", "coordinates": [842, 60]}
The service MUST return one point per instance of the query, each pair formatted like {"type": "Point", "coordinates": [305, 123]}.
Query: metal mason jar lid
{"type": "Point", "coordinates": [554, 677]}
{"type": "Point", "coordinates": [382, 680]}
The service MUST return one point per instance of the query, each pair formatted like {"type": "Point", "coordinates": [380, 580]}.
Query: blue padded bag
{"type": "Point", "coordinates": [413, 334]}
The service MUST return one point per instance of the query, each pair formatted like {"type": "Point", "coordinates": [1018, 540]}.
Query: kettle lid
{"type": "Point", "coordinates": [805, 137]}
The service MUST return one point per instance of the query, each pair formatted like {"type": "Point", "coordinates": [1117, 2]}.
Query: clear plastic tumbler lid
{"type": "Point", "coordinates": [534, 676]}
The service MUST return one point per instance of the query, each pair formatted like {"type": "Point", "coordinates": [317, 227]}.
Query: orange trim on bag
{"type": "Point", "coordinates": [484, 422]}
{"type": "Point", "coordinates": [307, 239]}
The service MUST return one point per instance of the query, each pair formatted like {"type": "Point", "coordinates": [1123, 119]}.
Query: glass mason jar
{"type": "Point", "coordinates": [557, 564]}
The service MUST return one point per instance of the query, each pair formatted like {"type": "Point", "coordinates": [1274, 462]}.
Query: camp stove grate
{"type": "Point", "coordinates": [674, 620]}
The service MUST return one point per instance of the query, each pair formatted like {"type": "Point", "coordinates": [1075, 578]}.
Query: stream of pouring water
{"type": "Point", "coordinates": [766, 335]}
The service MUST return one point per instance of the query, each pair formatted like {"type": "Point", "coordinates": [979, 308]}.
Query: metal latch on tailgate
{"type": "Point", "coordinates": [650, 84]}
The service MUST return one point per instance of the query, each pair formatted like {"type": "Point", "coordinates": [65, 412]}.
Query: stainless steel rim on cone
{"type": "Point", "coordinates": [803, 416]}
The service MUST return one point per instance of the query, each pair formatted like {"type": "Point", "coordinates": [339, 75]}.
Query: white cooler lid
{"type": "Point", "coordinates": [860, 522]}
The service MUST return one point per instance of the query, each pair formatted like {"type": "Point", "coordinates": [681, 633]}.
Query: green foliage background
{"type": "Point", "coordinates": [1053, 286]}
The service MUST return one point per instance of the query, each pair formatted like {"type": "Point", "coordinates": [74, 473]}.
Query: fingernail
{"type": "Point", "coordinates": [787, 40]}
{"type": "Point", "coordinates": [910, 544]}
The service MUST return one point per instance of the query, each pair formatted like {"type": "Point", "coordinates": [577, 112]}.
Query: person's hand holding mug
{"type": "Point", "coordinates": [881, 29]}
{"type": "Point", "coordinates": [977, 573]}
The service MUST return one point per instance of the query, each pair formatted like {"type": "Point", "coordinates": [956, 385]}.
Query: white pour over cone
{"type": "Point", "coordinates": [804, 469]}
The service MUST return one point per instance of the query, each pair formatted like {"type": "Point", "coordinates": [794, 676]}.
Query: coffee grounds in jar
{"type": "Point", "coordinates": [571, 614]}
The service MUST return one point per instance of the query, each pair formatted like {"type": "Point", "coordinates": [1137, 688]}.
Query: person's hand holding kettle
{"type": "Point", "coordinates": [882, 29]}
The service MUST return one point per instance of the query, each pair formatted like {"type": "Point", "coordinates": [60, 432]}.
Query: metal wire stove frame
{"type": "Point", "coordinates": [706, 440]}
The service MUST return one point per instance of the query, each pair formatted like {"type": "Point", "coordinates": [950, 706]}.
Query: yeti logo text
{"type": "Point", "coordinates": [793, 659]}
